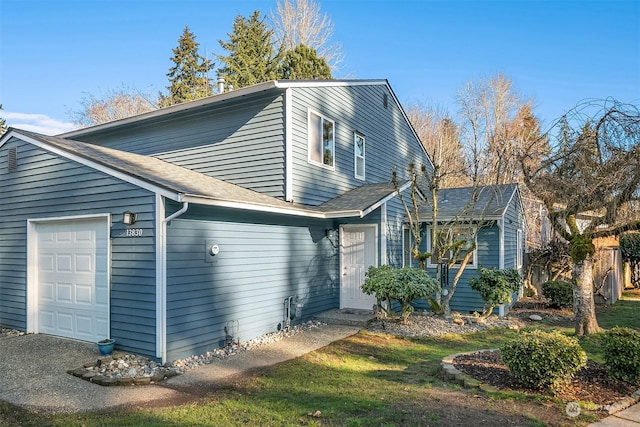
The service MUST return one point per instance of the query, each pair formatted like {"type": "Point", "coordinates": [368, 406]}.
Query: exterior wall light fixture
{"type": "Point", "coordinates": [129, 218]}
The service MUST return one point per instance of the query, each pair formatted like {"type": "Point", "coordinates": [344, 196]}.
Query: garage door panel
{"type": "Point", "coordinates": [47, 291]}
{"type": "Point", "coordinates": [102, 327]}
{"type": "Point", "coordinates": [64, 293]}
{"type": "Point", "coordinates": [84, 263]}
{"type": "Point", "coordinates": [64, 322]}
{"type": "Point", "coordinates": [84, 294]}
{"type": "Point", "coordinates": [63, 263]}
{"type": "Point", "coordinates": [47, 320]}
{"type": "Point", "coordinates": [46, 262]}
{"type": "Point", "coordinates": [73, 289]}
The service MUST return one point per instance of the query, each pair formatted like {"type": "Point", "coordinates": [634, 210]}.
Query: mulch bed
{"type": "Point", "coordinates": [590, 384]}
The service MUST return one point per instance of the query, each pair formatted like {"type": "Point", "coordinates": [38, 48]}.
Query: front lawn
{"type": "Point", "coordinates": [364, 380]}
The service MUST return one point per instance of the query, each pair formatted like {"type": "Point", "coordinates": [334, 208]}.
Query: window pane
{"type": "Point", "coordinates": [359, 147]}
{"type": "Point", "coordinates": [327, 142]}
{"type": "Point", "coordinates": [315, 148]}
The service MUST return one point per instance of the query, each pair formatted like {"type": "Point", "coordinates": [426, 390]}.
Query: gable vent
{"type": "Point", "coordinates": [385, 100]}
{"type": "Point", "coordinates": [13, 159]}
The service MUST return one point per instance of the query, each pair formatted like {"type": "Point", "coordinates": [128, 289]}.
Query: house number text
{"type": "Point", "coordinates": [134, 232]}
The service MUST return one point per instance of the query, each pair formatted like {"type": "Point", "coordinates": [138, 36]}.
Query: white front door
{"type": "Point", "coordinates": [71, 290]}
{"type": "Point", "coordinates": [358, 251]}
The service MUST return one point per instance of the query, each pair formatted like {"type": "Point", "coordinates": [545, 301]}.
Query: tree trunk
{"type": "Point", "coordinates": [584, 308]}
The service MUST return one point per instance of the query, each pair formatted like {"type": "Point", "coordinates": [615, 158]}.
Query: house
{"type": "Point", "coordinates": [178, 230]}
{"type": "Point", "coordinates": [493, 218]}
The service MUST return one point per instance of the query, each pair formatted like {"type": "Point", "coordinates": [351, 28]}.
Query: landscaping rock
{"type": "Point", "coordinates": [535, 318]}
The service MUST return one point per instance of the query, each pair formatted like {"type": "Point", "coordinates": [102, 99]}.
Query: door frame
{"type": "Point", "coordinates": [32, 263]}
{"type": "Point", "coordinates": [355, 227]}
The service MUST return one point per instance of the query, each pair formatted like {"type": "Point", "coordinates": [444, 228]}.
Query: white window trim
{"type": "Point", "coordinates": [519, 249]}
{"type": "Point", "coordinates": [406, 245]}
{"type": "Point", "coordinates": [357, 135]}
{"type": "Point", "coordinates": [309, 142]}
{"type": "Point", "coordinates": [474, 261]}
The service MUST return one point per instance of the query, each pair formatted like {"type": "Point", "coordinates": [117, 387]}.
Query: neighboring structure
{"type": "Point", "coordinates": [496, 221]}
{"type": "Point", "coordinates": [181, 229]}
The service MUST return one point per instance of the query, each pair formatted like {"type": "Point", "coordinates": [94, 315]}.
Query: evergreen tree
{"type": "Point", "coordinates": [188, 76]}
{"type": "Point", "coordinates": [303, 62]}
{"type": "Point", "coordinates": [252, 57]}
{"type": "Point", "coordinates": [3, 124]}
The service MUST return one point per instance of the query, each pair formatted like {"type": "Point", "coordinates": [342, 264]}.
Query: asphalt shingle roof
{"type": "Point", "coordinates": [185, 182]}
{"type": "Point", "coordinates": [491, 201]}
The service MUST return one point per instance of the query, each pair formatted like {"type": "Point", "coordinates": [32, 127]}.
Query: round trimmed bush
{"type": "Point", "coordinates": [559, 292]}
{"type": "Point", "coordinates": [622, 354]}
{"type": "Point", "coordinates": [543, 360]}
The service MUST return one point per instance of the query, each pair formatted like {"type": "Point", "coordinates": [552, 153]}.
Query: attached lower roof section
{"type": "Point", "coordinates": [184, 185]}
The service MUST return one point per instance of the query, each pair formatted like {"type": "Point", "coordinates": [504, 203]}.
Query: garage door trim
{"type": "Point", "coordinates": [32, 262]}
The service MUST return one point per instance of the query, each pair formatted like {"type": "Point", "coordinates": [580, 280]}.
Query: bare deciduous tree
{"type": "Point", "coordinates": [440, 137]}
{"type": "Point", "coordinates": [589, 182]}
{"type": "Point", "coordinates": [495, 123]}
{"type": "Point", "coordinates": [114, 105]}
{"type": "Point", "coordinates": [297, 22]}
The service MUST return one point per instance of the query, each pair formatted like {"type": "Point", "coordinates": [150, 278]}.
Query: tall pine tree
{"type": "Point", "coordinates": [188, 77]}
{"type": "Point", "coordinates": [302, 63]}
{"type": "Point", "coordinates": [3, 124]}
{"type": "Point", "coordinates": [252, 56]}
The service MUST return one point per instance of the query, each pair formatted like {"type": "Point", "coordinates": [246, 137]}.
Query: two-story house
{"type": "Point", "coordinates": [177, 229]}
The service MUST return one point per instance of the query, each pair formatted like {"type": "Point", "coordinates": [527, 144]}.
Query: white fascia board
{"type": "Point", "coordinates": [267, 209]}
{"type": "Point", "coordinates": [102, 168]}
{"type": "Point", "coordinates": [284, 84]}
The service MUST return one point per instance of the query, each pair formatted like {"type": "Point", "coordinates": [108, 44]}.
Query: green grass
{"type": "Point", "coordinates": [364, 380]}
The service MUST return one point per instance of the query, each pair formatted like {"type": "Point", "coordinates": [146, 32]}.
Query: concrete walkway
{"type": "Point", "coordinates": [33, 372]}
{"type": "Point", "coordinates": [628, 418]}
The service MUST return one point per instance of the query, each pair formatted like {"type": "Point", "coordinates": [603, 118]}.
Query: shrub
{"type": "Point", "coordinates": [543, 360]}
{"type": "Point", "coordinates": [622, 354]}
{"type": "Point", "coordinates": [495, 286]}
{"type": "Point", "coordinates": [403, 285]}
{"type": "Point", "coordinates": [559, 292]}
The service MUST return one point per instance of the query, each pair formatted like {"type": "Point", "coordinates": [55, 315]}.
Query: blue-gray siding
{"type": "Point", "coordinates": [390, 142]}
{"type": "Point", "coordinates": [263, 259]}
{"type": "Point", "coordinates": [46, 185]}
{"type": "Point", "coordinates": [240, 142]}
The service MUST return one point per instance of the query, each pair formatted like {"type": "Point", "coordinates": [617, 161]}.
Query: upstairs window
{"type": "Point", "coordinates": [321, 140]}
{"type": "Point", "coordinates": [358, 151]}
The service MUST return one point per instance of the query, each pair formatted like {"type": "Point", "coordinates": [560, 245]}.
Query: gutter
{"type": "Point", "coordinates": [161, 277]}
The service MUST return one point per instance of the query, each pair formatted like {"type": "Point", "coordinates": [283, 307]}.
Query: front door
{"type": "Point", "coordinates": [359, 251]}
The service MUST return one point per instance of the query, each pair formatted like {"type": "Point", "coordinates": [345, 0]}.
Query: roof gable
{"type": "Point", "coordinates": [491, 202]}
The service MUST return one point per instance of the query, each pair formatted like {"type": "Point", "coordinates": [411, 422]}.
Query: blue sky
{"type": "Point", "coordinates": [558, 53]}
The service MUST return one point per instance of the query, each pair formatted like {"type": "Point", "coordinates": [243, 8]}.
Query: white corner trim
{"type": "Point", "coordinates": [288, 144]}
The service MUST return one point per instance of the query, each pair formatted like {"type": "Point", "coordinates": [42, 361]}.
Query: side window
{"type": "Point", "coordinates": [321, 140]}
{"type": "Point", "coordinates": [358, 151]}
{"type": "Point", "coordinates": [462, 236]}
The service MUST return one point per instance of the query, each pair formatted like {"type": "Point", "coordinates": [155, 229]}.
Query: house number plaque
{"type": "Point", "coordinates": [134, 232]}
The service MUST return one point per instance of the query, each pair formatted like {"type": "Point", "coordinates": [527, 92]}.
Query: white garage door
{"type": "Point", "coordinates": [73, 290]}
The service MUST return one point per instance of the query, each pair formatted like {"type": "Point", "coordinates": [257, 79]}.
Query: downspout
{"type": "Point", "coordinates": [161, 323]}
